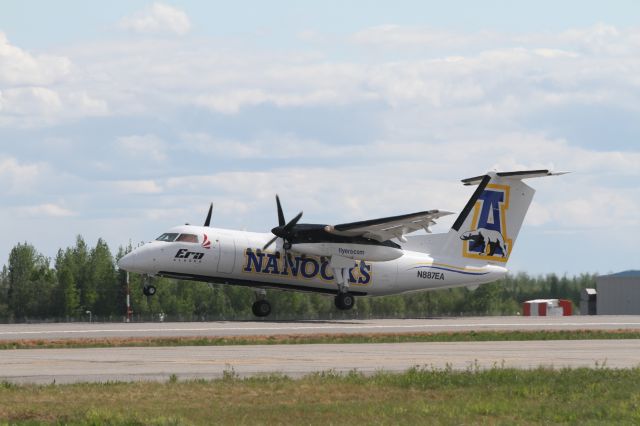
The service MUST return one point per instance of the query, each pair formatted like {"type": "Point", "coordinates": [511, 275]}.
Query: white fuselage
{"type": "Point", "coordinates": [235, 257]}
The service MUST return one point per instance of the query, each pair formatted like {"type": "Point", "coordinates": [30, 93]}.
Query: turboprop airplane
{"type": "Point", "coordinates": [367, 258]}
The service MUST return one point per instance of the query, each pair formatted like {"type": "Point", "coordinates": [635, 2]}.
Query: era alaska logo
{"type": "Point", "coordinates": [487, 239]}
{"type": "Point", "coordinates": [207, 242]}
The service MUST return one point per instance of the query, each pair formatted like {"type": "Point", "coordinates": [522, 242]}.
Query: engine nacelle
{"type": "Point", "coordinates": [372, 253]}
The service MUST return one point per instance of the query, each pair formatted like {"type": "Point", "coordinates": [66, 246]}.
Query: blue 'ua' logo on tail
{"type": "Point", "coordinates": [487, 236]}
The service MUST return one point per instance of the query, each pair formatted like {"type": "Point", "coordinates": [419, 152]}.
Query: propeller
{"type": "Point", "coordinates": [281, 221]}
{"type": "Point", "coordinates": [207, 221]}
{"type": "Point", "coordinates": [284, 231]}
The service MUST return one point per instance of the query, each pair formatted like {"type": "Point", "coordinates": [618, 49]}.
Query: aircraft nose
{"type": "Point", "coordinates": [127, 262]}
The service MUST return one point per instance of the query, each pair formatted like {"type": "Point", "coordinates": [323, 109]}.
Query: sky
{"type": "Point", "coordinates": [121, 119]}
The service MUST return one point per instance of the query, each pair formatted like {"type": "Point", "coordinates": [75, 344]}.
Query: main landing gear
{"type": "Point", "coordinates": [261, 307]}
{"type": "Point", "coordinates": [345, 301]}
{"type": "Point", "coordinates": [341, 266]}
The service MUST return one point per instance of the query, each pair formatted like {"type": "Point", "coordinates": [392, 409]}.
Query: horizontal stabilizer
{"type": "Point", "coordinates": [525, 174]}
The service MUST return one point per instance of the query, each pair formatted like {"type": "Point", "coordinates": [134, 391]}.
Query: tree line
{"type": "Point", "coordinates": [83, 279]}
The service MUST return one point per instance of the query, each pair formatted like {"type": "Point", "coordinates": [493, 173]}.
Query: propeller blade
{"type": "Point", "coordinates": [266, 246]}
{"type": "Point", "coordinates": [207, 221]}
{"type": "Point", "coordinates": [281, 220]}
{"type": "Point", "coordinates": [289, 226]}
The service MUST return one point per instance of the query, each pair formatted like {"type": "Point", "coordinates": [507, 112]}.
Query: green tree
{"type": "Point", "coordinates": [4, 290]}
{"type": "Point", "coordinates": [31, 283]}
{"type": "Point", "coordinates": [86, 288]}
{"type": "Point", "coordinates": [486, 299]}
{"type": "Point", "coordinates": [103, 280]}
{"type": "Point", "coordinates": [67, 297]}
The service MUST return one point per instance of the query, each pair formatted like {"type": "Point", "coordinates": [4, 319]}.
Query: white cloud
{"type": "Point", "coordinates": [159, 18]}
{"type": "Point", "coordinates": [33, 89]}
{"type": "Point", "coordinates": [160, 214]}
{"type": "Point", "coordinates": [17, 177]}
{"type": "Point", "coordinates": [600, 39]}
{"type": "Point", "coordinates": [492, 76]}
{"type": "Point", "coordinates": [41, 106]}
{"type": "Point", "coordinates": [31, 100]}
{"type": "Point", "coordinates": [268, 146]}
{"type": "Point", "coordinates": [19, 67]}
{"type": "Point", "coordinates": [232, 102]}
{"type": "Point", "coordinates": [143, 147]}
{"type": "Point", "coordinates": [392, 36]}
{"type": "Point", "coordinates": [600, 207]}
{"type": "Point", "coordinates": [86, 104]}
{"type": "Point", "coordinates": [238, 123]}
{"type": "Point", "coordinates": [47, 210]}
{"type": "Point", "coordinates": [137, 187]}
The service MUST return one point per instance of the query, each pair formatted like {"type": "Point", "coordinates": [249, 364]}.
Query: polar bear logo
{"type": "Point", "coordinates": [481, 237]}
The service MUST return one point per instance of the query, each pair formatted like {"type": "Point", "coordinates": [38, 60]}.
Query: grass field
{"type": "Point", "coordinates": [463, 336]}
{"type": "Point", "coordinates": [418, 396]}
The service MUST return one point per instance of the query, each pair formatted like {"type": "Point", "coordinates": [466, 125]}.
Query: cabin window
{"type": "Point", "coordinates": [167, 237]}
{"type": "Point", "coordinates": [188, 238]}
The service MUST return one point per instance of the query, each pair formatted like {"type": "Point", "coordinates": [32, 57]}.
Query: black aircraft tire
{"type": "Point", "coordinates": [261, 308]}
{"type": "Point", "coordinates": [148, 290]}
{"type": "Point", "coordinates": [345, 301]}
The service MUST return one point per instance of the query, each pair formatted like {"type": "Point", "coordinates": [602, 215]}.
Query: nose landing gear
{"type": "Point", "coordinates": [147, 289]}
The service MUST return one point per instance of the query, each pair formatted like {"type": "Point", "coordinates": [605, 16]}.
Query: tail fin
{"type": "Point", "coordinates": [488, 226]}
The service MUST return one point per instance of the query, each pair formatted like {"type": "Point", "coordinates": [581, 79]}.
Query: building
{"type": "Point", "coordinates": [588, 301]}
{"type": "Point", "coordinates": [547, 307]}
{"type": "Point", "coordinates": [619, 294]}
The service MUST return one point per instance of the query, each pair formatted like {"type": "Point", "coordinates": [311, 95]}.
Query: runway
{"type": "Point", "coordinates": [133, 364]}
{"type": "Point", "coordinates": [245, 328]}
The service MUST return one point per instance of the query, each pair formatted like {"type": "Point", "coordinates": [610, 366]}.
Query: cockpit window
{"type": "Point", "coordinates": [188, 238]}
{"type": "Point", "coordinates": [167, 237]}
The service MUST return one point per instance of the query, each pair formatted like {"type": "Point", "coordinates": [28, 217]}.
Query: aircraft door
{"type": "Point", "coordinates": [227, 260]}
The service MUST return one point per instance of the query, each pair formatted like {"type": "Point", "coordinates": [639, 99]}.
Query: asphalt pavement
{"type": "Point", "coordinates": [208, 362]}
{"type": "Point", "coordinates": [245, 328]}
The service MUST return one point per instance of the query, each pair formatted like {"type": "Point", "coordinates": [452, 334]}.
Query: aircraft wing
{"type": "Point", "coordinates": [389, 227]}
